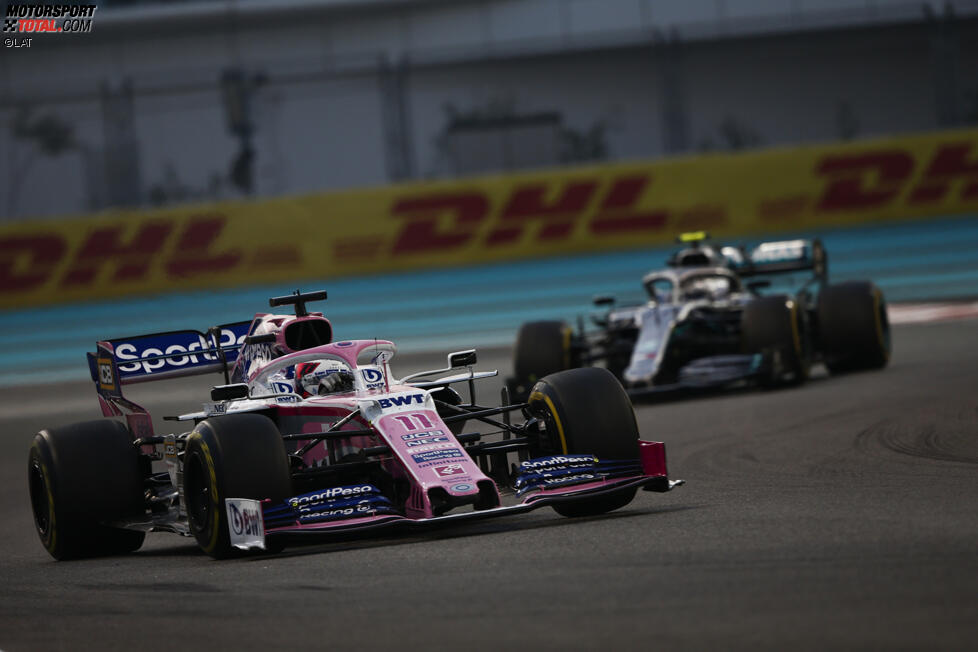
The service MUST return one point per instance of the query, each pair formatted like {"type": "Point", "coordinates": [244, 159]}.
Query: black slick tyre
{"type": "Point", "coordinates": [542, 347]}
{"type": "Point", "coordinates": [853, 327]}
{"type": "Point", "coordinates": [81, 478]}
{"type": "Point", "coordinates": [586, 411]}
{"type": "Point", "coordinates": [776, 327]}
{"type": "Point", "coordinates": [234, 456]}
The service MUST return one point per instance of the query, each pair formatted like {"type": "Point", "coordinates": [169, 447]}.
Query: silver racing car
{"type": "Point", "coordinates": [709, 322]}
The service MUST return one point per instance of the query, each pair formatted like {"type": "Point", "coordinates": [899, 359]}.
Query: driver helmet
{"type": "Point", "coordinates": [707, 287]}
{"type": "Point", "coordinates": [322, 377]}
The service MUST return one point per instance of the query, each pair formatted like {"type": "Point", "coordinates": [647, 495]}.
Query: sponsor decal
{"type": "Point", "coordinates": [344, 344]}
{"type": "Point", "coordinates": [571, 479]}
{"type": "Point", "coordinates": [189, 342]}
{"type": "Point", "coordinates": [254, 356]}
{"type": "Point", "coordinates": [371, 376]}
{"type": "Point", "coordinates": [404, 400]}
{"type": "Point", "coordinates": [362, 509]}
{"type": "Point", "coordinates": [333, 493]}
{"type": "Point", "coordinates": [215, 409]}
{"type": "Point", "coordinates": [245, 526]}
{"type": "Point", "coordinates": [335, 503]}
{"type": "Point", "coordinates": [557, 461]}
{"type": "Point", "coordinates": [427, 441]}
{"type": "Point", "coordinates": [433, 456]}
{"type": "Point", "coordinates": [106, 378]}
{"type": "Point", "coordinates": [445, 445]}
{"type": "Point", "coordinates": [461, 488]}
{"type": "Point", "coordinates": [244, 520]}
{"type": "Point", "coordinates": [282, 387]}
{"type": "Point", "coordinates": [776, 252]}
{"type": "Point", "coordinates": [449, 470]}
{"type": "Point", "coordinates": [562, 470]}
{"type": "Point", "coordinates": [421, 435]}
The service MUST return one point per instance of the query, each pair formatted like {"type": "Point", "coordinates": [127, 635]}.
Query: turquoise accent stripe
{"type": "Point", "coordinates": [480, 305]}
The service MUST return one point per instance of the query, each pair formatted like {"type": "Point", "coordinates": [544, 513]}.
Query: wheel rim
{"type": "Point", "coordinates": [39, 498]}
{"type": "Point", "coordinates": [548, 442]}
{"type": "Point", "coordinates": [197, 494]}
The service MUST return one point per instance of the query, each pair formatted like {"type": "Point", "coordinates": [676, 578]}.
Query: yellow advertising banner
{"type": "Point", "coordinates": [485, 219]}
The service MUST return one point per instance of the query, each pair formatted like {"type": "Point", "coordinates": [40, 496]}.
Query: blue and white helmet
{"type": "Point", "coordinates": [322, 377]}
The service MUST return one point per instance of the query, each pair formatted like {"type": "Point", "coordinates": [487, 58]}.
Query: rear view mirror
{"type": "Point", "coordinates": [603, 300]}
{"type": "Point", "coordinates": [229, 392]}
{"type": "Point", "coordinates": [462, 359]}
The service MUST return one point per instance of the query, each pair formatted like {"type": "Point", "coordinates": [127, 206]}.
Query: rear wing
{"type": "Point", "coordinates": [779, 257]}
{"type": "Point", "coordinates": [173, 354]}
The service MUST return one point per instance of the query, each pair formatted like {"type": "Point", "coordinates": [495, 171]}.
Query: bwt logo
{"type": "Point", "coordinates": [397, 401]}
{"type": "Point", "coordinates": [245, 521]}
{"type": "Point", "coordinates": [372, 378]}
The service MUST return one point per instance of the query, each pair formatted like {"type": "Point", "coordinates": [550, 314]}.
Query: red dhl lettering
{"type": "Point", "coordinates": [875, 179]}
{"type": "Point", "coordinates": [952, 163]}
{"type": "Point", "coordinates": [557, 215]}
{"type": "Point", "coordinates": [550, 213]}
{"type": "Point", "coordinates": [117, 253]}
{"type": "Point", "coordinates": [26, 262]}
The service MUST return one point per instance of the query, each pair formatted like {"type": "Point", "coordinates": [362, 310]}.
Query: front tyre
{"type": "Point", "coordinates": [586, 411]}
{"type": "Point", "coordinates": [234, 456]}
{"type": "Point", "coordinates": [542, 347]}
{"type": "Point", "coordinates": [853, 327]}
{"type": "Point", "coordinates": [82, 478]}
{"type": "Point", "coordinates": [776, 325]}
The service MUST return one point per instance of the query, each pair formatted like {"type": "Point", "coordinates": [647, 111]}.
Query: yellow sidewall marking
{"type": "Point", "coordinates": [215, 498]}
{"type": "Point", "coordinates": [796, 336]}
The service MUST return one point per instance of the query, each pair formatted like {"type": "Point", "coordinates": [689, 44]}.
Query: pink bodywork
{"type": "Point", "coordinates": [401, 428]}
{"type": "Point", "coordinates": [415, 432]}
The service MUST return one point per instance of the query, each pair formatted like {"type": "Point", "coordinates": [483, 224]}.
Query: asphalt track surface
{"type": "Point", "coordinates": [839, 515]}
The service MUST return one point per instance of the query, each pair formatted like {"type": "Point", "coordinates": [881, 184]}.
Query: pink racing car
{"type": "Point", "coordinates": [309, 437]}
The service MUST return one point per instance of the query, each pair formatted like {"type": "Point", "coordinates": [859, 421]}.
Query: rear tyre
{"type": "Point", "coordinates": [234, 456]}
{"type": "Point", "coordinates": [542, 348]}
{"type": "Point", "coordinates": [586, 411]}
{"type": "Point", "coordinates": [80, 478]}
{"type": "Point", "coordinates": [776, 326]}
{"type": "Point", "coordinates": [853, 327]}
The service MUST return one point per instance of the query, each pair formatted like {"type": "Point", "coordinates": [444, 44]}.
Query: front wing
{"type": "Point", "coordinates": [713, 372]}
{"type": "Point", "coordinates": [252, 524]}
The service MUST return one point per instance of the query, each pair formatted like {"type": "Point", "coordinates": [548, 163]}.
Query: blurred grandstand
{"type": "Point", "coordinates": [166, 103]}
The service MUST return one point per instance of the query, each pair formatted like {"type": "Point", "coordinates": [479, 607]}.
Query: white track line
{"type": "Point", "coordinates": [917, 313]}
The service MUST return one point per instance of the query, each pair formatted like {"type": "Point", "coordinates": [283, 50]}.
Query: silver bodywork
{"type": "Point", "coordinates": [674, 293]}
